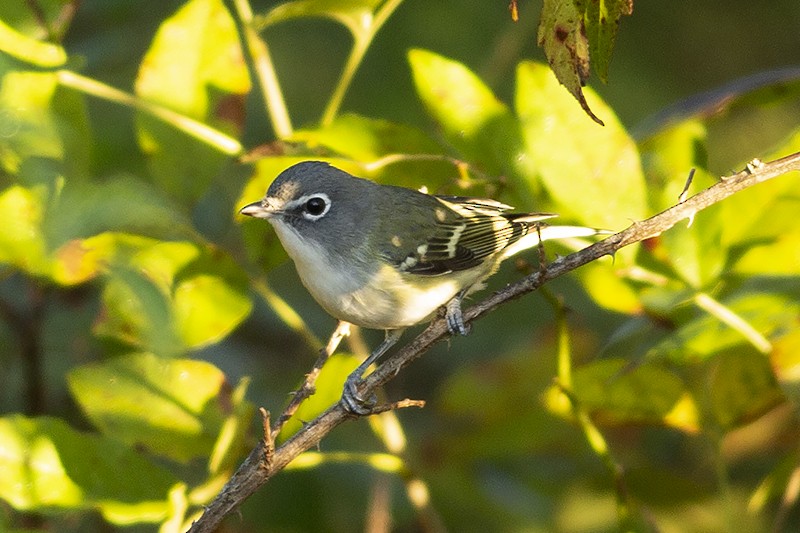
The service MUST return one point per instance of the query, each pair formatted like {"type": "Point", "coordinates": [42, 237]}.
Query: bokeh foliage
{"type": "Point", "coordinates": [143, 319]}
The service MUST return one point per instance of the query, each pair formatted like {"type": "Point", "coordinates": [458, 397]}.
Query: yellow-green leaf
{"type": "Point", "coordinates": [48, 466]}
{"type": "Point", "coordinates": [171, 407]}
{"type": "Point", "coordinates": [593, 174]}
{"type": "Point", "coordinates": [470, 116]}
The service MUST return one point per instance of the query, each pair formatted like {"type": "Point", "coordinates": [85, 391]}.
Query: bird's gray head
{"type": "Point", "coordinates": [316, 200]}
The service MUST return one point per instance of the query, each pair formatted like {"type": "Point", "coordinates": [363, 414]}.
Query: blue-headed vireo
{"type": "Point", "coordinates": [386, 257]}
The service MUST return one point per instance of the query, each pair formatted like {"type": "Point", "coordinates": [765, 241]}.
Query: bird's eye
{"type": "Point", "coordinates": [316, 206]}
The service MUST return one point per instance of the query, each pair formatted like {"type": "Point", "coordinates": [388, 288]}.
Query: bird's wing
{"type": "Point", "coordinates": [465, 233]}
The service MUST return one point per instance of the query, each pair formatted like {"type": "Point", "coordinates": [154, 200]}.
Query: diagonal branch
{"type": "Point", "coordinates": [257, 469]}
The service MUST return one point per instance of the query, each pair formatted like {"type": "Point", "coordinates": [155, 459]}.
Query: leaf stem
{"type": "Point", "coordinates": [190, 126]}
{"type": "Point", "coordinates": [265, 71]}
{"type": "Point", "coordinates": [362, 38]}
{"type": "Point", "coordinates": [285, 312]}
{"type": "Point", "coordinates": [727, 316]}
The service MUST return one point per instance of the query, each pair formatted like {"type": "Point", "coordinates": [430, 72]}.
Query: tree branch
{"type": "Point", "coordinates": [256, 470]}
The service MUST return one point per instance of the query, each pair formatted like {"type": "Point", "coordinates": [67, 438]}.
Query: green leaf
{"type": "Point", "coordinates": [41, 119]}
{"type": "Point", "coordinates": [741, 387]}
{"type": "Point", "coordinates": [167, 297]}
{"type": "Point", "coordinates": [694, 252]}
{"type": "Point", "coordinates": [367, 139]}
{"type": "Point", "coordinates": [46, 20]}
{"type": "Point", "coordinates": [329, 385]}
{"type": "Point", "coordinates": [120, 204]}
{"type": "Point", "coordinates": [758, 215]}
{"type": "Point", "coordinates": [137, 313]}
{"type": "Point", "coordinates": [171, 407]}
{"type": "Point", "coordinates": [601, 22]}
{"type": "Point", "coordinates": [356, 15]}
{"type": "Point", "coordinates": [209, 298]}
{"type": "Point", "coordinates": [593, 174]}
{"type": "Point", "coordinates": [21, 241]}
{"type": "Point", "coordinates": [616, 393]}
{"type": "Point", "coordinates": [766, 311]}
{"type": "Point", "coordinates": [24, 48]}
{"type": "Point", "coordinates": [785, 360]}
{"type": "Point", "coordinates": [193, 66]}
{"type": "Point", "coordinates": [562, 36]}
{"type": "Point", "coordinates": [668, 156]}
{"type": "Point", "coordinates": [472, 119]}
{"type": "Point", "coordinates": [49, 467]}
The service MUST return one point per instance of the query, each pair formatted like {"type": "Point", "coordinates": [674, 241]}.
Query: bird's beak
{"type": "Point", "coordinates": [260, 209]}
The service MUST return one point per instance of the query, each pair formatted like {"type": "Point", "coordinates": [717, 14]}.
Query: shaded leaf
{"type": "Point", "coordinates": [171, 407]}
{"type": "Point", "coordinates": [617, 393]}
{"type": "Point", "coordinates": [48, 466]}
{"type": "Point", "coordinates": [601, 20]}
{"type": "Point", "coordinates": [119, 204]}
{"type": "Point", "coordinates": [785, 359]}
{"type": "Point", "coordinates": [742, 387]}
{"type": "Point", "coordinates": [562, 36]}
{"type": "Point", "coordinates": [768, 313]}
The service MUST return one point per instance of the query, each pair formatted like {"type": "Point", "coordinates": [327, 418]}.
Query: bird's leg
{"type": "Point", "coordinates": [454, 317]}
{"type": "Point", "coordinates": [351, 399]}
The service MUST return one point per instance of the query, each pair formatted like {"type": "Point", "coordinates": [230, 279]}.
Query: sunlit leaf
{"type": "Point", "coordinates": [694, 252]}
{"type": "Point", "coordinates": [41, 119]}
{"type": "Point", "coordinates": [366, 139]}
{"type": "Point", "coordinates": [193, 66]}
{"type": "Point", "coordinates": [210, 299]}
{"type": "Point", "coordinates": [669, 156]}
{"type": "Point", "coordinates": [593, 174]}
{"type": "Point", "coordinates": [48, 466]}
{"type": "Point", "coordinates": [479, 126]}
{"type": "Point", "coordinates": [21, 241]}
{"type": "Point", "coordinates": [24, 48]}
{"type": "Point", "coordinates": [785, 359]}
{"type": "Point", "coordinates": [329, 388]}
{"type": "Point", "coordinates": [167, 297]}
{"type": "Point", "coordinates": [171, 407]}
{"type": "Point", "coordinates": [764, 213]}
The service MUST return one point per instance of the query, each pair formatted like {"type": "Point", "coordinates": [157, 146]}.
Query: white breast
{"type": "Point", "coordinates": [388, 299]}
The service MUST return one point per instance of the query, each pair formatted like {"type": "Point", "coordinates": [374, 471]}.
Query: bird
{"type": "Point", "coordinates": [387, 257]}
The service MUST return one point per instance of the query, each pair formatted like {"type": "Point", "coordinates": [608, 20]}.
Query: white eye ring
{"type": "Point", "coordinates": [314, 206]}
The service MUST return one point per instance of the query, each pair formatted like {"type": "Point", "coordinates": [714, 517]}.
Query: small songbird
{"type": "Point", "coordinates": [386, 257]}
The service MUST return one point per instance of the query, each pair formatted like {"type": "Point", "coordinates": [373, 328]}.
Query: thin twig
{"type": "Point", "coordinates": [254, 472]}
{"type": "Point", "coordinates": [308, 387]}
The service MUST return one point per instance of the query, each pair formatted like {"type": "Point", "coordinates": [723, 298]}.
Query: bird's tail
{"type": "Point", "coordinates": [549, 233]}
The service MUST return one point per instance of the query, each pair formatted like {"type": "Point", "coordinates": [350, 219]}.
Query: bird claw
{"type": "Point", "coordinates": [455, 318]}
{"type": "Point", "coordinates": [352, 401]}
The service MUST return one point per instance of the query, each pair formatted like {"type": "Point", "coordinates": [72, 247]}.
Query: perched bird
{"type": "Point", "coordinates": [387, 257]}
